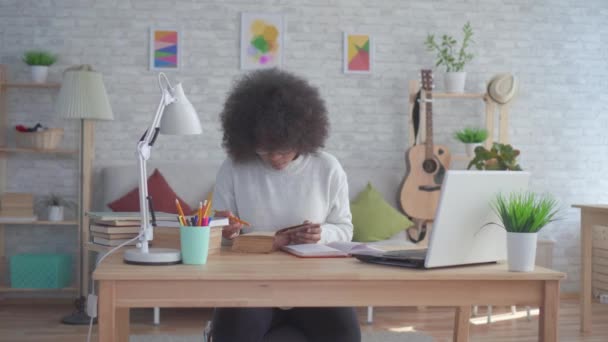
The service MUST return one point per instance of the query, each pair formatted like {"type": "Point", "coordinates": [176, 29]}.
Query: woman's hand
{"type": "Point", "coordinates": [311, 233]}
{"type": "Point", "coordinates": [233, 229]}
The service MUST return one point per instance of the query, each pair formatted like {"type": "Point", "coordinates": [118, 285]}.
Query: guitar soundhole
{"type": "Point", "coordinates": [429, 165]}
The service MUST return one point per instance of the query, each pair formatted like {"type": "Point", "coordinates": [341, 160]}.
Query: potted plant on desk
{"type": "Point", "coordinates": [55, 205]}
{"type": "Point", "coordinates": [523, 215]}
{"type": "Point", "coordinates": [471, 138]}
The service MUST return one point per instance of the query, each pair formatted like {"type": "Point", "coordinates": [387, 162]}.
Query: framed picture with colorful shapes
{"type": "Point", "coordinates": [358, 53]}
{"type": "Point", "coordinates": [165, 49]}
{"type": "Point", "coordinates": [262, 40]}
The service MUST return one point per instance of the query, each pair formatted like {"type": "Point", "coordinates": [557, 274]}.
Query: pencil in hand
{"type": "Point", "coordinates": [243, 222]}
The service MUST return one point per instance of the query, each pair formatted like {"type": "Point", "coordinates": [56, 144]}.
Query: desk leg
{"type": "Point", "coordinates": [122, 324]}
{"type": "Point", "coordinates": [108, 313]}
{"type": "Point", "coordinates": [461, 323]}
{"type": "Point", "coordinates": [549, 312]}
{"type": "Point", "coordinates": [585, 292]}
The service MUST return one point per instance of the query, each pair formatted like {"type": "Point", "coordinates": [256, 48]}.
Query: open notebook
{"type": "Point", "coordinates": [332, 249]}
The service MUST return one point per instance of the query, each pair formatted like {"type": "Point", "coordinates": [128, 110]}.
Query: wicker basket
{"type": "Point", "coordinates": [44, 140]}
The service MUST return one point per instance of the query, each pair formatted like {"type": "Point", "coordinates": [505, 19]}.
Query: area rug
{"type": "Point", "coordinates": [381, 336]}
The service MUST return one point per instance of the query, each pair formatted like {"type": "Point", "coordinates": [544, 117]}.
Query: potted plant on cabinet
{"type": "Point", "coordinates": [39, 61]}
{"type": "Point", "coordinates": [56, 205]}
{"type": "Point", "coordinates": [499, 157]}
{"type": "Point", "coordinates": [471, 138]}
{"type": "Point", "coordinates": [452, 58]}
{"type": "Point", "coordinates": [523, 215]}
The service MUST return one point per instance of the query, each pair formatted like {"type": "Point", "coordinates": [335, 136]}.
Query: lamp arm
{"type": "Point", "coordinates": [144, 147]}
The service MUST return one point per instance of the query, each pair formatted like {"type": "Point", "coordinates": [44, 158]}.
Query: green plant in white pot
{"type": "Point", "coordinates": [523, 215]}
{"type": "Point", "coordinates": [56, 205]}
{"type": "Point", "coordinates": [471, 138]}
{"type": "Point", "coordinates": [39, 61]}
{"type": "Point", "coordinates": [452, 58]}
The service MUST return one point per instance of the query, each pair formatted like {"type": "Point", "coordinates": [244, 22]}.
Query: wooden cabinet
{"type": "Point", "coordinates": [7, 150]}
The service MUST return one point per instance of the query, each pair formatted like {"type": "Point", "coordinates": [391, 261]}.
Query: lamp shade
{"type": "Point", "coordinates": [179, 117]}
{"type": "Point", "coordinates": [83, 95]}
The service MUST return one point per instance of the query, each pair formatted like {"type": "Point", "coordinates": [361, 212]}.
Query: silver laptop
{"type": "Point", "coordinates": [460, 234]}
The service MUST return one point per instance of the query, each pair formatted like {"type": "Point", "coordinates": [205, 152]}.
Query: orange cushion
{"type": "Point", "coordinates": [163, 197]}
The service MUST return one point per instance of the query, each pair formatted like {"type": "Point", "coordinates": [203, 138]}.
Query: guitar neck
{"type": "Point", "coordinates": [429, 124]}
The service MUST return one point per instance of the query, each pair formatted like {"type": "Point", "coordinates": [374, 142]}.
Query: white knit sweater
{"type": "Point", "coordinates": [312, 187]}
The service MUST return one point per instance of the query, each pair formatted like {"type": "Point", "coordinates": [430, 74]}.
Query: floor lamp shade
{"type": "Point", "coordinates": [83, 95]}
{"type": "Point", "coordinates": [180, 117]}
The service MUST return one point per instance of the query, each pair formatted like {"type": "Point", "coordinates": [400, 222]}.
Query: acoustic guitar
{"type": "Point", "coordinates": [425, 166]}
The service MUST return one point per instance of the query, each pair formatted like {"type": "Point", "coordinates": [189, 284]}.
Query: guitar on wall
{"type": "Point", "coordinates": [425, 169]}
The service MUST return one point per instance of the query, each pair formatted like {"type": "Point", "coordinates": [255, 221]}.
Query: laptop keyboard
{"type": "Point", "coordinates": [406, 253]}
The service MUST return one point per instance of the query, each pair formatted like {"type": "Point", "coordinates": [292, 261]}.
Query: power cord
{"type": "Point", "coordinates": [92, 298]}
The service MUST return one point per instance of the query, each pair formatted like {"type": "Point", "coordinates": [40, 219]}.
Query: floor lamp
{"type": "Point", "coordinates": [83, 97]}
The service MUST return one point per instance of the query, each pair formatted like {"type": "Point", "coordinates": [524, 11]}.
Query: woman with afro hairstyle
{"type": "Point", "coordinates": [275, 124]}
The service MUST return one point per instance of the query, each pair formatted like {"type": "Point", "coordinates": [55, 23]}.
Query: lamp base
{"type": "Point", "coordinates": [155, 256]}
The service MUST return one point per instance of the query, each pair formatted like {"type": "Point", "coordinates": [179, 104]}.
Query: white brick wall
{"type": "Point", "coordinates": [557, 48]}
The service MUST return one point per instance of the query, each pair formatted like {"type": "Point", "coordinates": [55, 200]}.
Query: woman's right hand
{"type": "Point", "coordinates": [233, 229]}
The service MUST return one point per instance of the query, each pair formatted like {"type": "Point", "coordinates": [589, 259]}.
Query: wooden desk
{"type": "Point", "coordinates": [278, 279]}
{"type": "Point", "coordinates": [591, 215]}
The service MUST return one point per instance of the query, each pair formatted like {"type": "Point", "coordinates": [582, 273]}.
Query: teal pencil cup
{"type": "Point", "coordinates": [195, 244]}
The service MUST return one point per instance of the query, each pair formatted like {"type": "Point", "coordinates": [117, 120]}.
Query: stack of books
{"type": "Point", "coordinates": [114, 228]}
{"type": "Point", "coordinates": [17, 207]}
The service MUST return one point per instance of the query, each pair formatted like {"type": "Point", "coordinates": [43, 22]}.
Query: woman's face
{"type": "Point", "coordinates": [277, 159]}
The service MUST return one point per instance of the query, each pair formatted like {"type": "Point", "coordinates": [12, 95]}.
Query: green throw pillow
{"type": "Point", "coordinates": [373, 218]}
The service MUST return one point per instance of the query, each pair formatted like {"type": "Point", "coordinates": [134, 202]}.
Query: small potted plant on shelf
{"type": "Point", "coordinates": [56, 204]}
{"type": "Point", "coordinates": [39, 61]}
{"type": "Point", "coordinates": [523, 215]}
{"type": "Point", "coordinates": [499, 157]}
{"type": "Point", "coordinates": [452, 58]}
{"type": "Point", "coordinates": [471, 138]}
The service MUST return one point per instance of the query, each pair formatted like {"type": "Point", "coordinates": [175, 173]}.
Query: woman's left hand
{"type": "Point", "coordinates": [311, 233]}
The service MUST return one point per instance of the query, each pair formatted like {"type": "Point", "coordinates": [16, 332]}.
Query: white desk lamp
{"type": "Point", "coordinates": [175, 115]}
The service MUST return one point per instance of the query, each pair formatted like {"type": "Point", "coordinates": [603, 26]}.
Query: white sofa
{"type": "Point", "coordinates": [192, 181]}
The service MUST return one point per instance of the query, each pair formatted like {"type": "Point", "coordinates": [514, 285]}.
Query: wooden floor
{"type": "Point", "coordinates": [19, 323]}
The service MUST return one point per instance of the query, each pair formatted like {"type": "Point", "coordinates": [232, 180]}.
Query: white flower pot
{"type": "Point", "coordinates": [521, 251]}
{"type": "Point", "coordinates": [470, 149]}
{"type": "Point", "coordinates": [454, 81]}
{"type": "Point", "coordinates": [55, 213]}
{"type": "Point", "coordinates": [39, 73]}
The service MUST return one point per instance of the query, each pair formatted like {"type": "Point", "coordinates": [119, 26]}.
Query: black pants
{"type": "Point", "coordinates": [316, 324]}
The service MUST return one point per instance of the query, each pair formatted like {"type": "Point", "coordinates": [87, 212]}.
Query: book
{"type": "Point", "coordinates": [113, 243]}
{"type": "Point", "coordinates": [260, 242]}
{"type": "Point", "coordinates": [114, 236]}
{"type": "Point", "coordinates": [128, 216]}
{"type": "Point", "coordinates": [332, 249]}
{"type": "Point", "coordinates": [99, 228]}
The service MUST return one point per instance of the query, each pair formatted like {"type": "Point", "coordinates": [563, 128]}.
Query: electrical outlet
{"type": "Point", "coordinates": [604, 298]}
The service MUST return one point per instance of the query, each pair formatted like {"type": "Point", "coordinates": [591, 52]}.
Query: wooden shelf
{"type": "Point", "coordinates": [36, 150]}
{"type": "Point", "coordinates": [461, 157]}
{"type": "Point", "coordinates": [30, 85]}
{"type": "Point", "coordinates": [459, 95]}
{"type": "Point", "coordinates": [64, 289]}
{"type": "Point", "coordinates": [44, 223]}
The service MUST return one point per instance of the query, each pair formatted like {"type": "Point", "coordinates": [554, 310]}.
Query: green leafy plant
{"type": "Point", "coordinates": [471, 135]}
{"type": "Point", "coordinates": [447, 53]}
{"type": "Point", "coordinates": [499, 157]}
{"type": "Point", "coordinates": [525, 212]}
{"type": "Point", "coordinates": [54, 200]}
{"type": "Point", "coordinates": [39, 57]}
